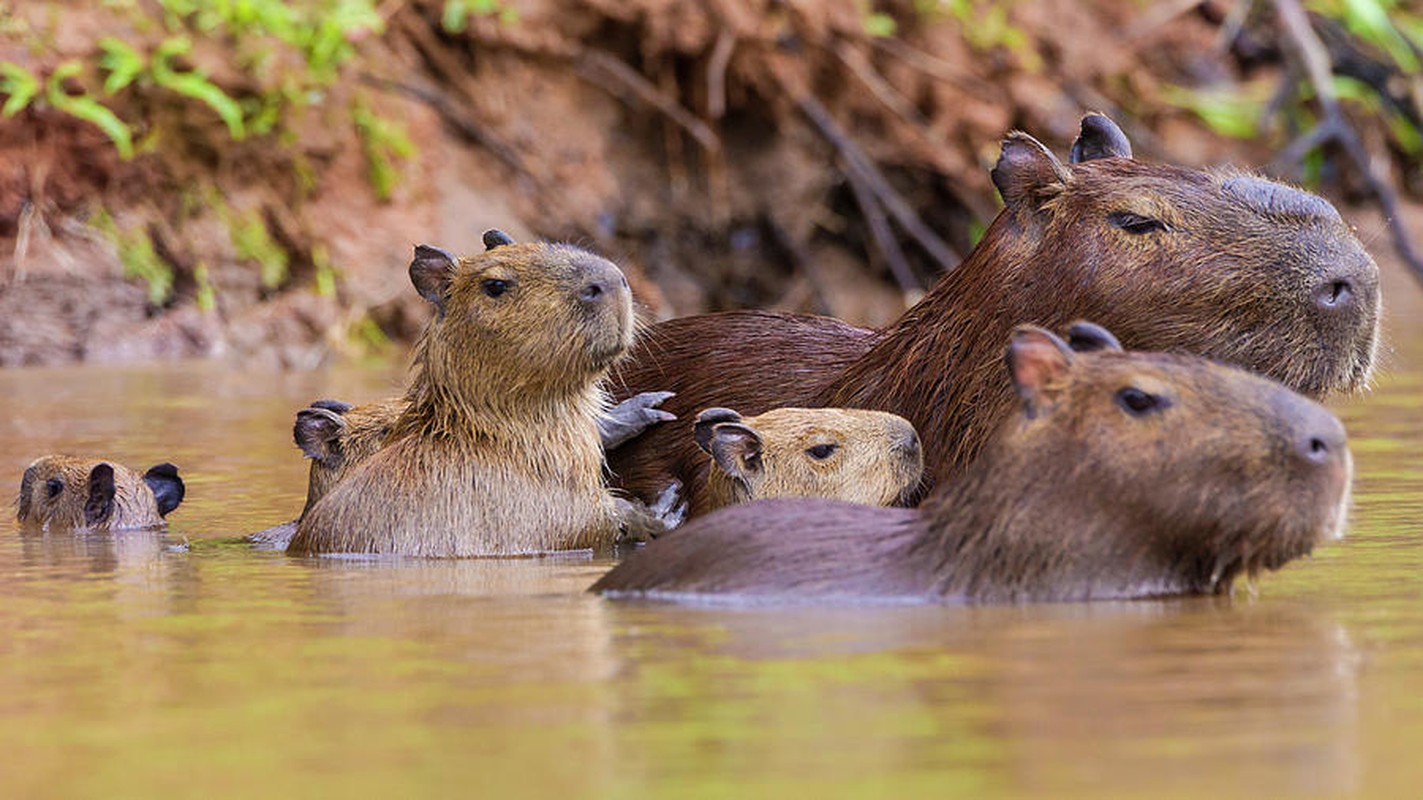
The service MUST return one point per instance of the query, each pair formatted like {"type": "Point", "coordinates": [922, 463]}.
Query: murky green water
{"type": "Point", "coordinates": [128, 669]}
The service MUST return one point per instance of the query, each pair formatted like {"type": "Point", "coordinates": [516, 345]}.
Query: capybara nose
{"type": "Point", "coordinates": [1335, 295]}
{"type": "Point", "coordinates": [906, 443]}
{"type": "Point", "coordinates": [593, 292]}
{"type": "Point", "coordinates": [1320, 438]}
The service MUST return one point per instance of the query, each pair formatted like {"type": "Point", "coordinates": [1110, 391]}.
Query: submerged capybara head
{"type": "Point", "coordinates": [67, 492]}
{"type": "Point", "coordinates": [869, 457]}
{"type": "Point", "coordinates": [521, 320]}
{"type": "Point", "coordinates": [1222, 264]}
{"type": "Point", "coordinates": [1132, 474]}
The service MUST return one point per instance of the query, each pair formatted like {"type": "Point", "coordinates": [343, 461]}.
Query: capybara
{"type": "Point", "coordinates": [1121, 475]}
{"type": "Point", "coordinates": [1220, 264]}
{"type": "Point", "coordinates": [497, 451]}
{"type": "Point", "coordinates": [337, 436]}
{"type": "Point", "coordinates": [847, 454]}
{"type": "Point", "coordinates": [69, 492]}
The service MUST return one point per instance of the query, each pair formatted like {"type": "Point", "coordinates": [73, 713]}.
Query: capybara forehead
{"type": "Point", "coordinates": [533, 262]}
{"type": "Point", "coordinates": [1183, 377]}
{"type": "Point", "coordinates": [793, 427]}
{"type": "Point", "coordinates": [66, 468]}
{"type": "Point", "coordinates": [1129, 185]}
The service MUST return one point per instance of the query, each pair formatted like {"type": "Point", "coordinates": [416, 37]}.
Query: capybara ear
{"type": "Point", "coordinates": [318, 433]}
{"type": "Point", "coordinates": [27, 485]}
{"type": "Point", "coordinates": [496, 238]}
{"type": "Point", "coordinates": [1100, 138]}
{"type": "Point", "coordinates": [1086, 337]}
{"type": "Point", "coordinates": [1027, 173]}
{"type": "Point", "coordinates": [431, 272]}
{"type": "Point", "coordinates": [332, 405]}
{"type": "Point", "coordinates": [737, 450]}
{"type": "Point", "coordinates": [167, 487]}
{"type": "Point", "coordinates": [100, 502]}
{"type": "Point", "coordinates": [709, 419]}
{"type": "Point", "coordinates": [1038, 362]}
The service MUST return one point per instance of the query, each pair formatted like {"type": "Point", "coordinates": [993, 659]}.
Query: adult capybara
{"type": "Point", "coordinates": [847, 454]}
{"type": "Point", "coordinates": [69, 492]}
{"type": "Point", "coordinates": [1121, 475]}
{"type": "Point", "coordinates": [497, 451]}
{"type": "Point", "coordinates": [1221, 264]}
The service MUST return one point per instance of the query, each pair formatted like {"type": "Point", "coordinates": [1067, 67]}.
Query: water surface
{"type": "Point", "coordinates": [132, 667]}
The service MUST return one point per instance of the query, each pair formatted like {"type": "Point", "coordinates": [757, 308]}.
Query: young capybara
{"type": "Point", "coordinates": [69, 492]}
{"type": "Point", "coordinates": [497, 451]}
{"type": "Point", "coordinates": [1220, 264]}
{"type": "Point", "coordinates": [336, 436]}
{"type": "Point", "coordinates": [847, 454]}
{"type": "Point", "coordinates": [1121, 475]}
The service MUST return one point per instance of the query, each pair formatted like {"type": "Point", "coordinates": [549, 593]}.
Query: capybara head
{"type": "Point", "coordinates": [869, 457]}
{"type": "Point", "coordinates": [337, 436]}
{"type": "Point", "coordinates": [1130, 474]}
{"type": "Point", "coordinates": [521, 320]}
{"type": "Point", "coordinates": [1222, 264]}
{"type": "Point", "coordinates": [67, 492]}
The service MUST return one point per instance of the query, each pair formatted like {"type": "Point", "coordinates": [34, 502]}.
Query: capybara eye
{"type": "Point", "coordinates": [53, 487]}
{"type": "Point", "coordinates": [1135, 223]}
{"type": "Point", "coordinates": [495, 287]}
{"type": "Point", "coordinates": [1138, 403]}
{"type": "Point", "coordinates": [821, 452]}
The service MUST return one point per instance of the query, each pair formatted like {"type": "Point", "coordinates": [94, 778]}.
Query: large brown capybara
{"type": "Point", "coordinates": [497, 451]}
{"type": "Point", "coordinates": [858, 456]}
{"type": "Point", "coordinates": [1122, 475]}
{"type": "Point", "coordinates": [78, 493]}
{"type": "Point", "coordinates": [1215, 263]}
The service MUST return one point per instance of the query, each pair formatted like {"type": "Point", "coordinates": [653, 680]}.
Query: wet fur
{"type": "Point", "coordinates": [1227, 281]}
{"type": "Point", "coordinates": [1076, 502]}
{"type": "Point", "coordinates": [95, 494]}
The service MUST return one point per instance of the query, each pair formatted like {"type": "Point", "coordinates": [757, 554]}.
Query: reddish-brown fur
{"type": "Point", "coordinates": [1234, 268]}
{"type": "Point", "coordinates": [1123, 475]}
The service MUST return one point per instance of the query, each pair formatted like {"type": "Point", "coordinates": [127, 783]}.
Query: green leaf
{"type": "Point", "coordinates": [880, 25]}
{"type": "Point", "coordinates": [195, 84]}
{"type": "Point", "coordinates": [20, 84]}
{"type": "Point", "coordinates": [87, 108]}
{"type": "Point", "coordinates": [122, 62]}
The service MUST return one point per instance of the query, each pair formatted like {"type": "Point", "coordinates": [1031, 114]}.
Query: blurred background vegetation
{"type": "Point", "coordinates": [245, 178]}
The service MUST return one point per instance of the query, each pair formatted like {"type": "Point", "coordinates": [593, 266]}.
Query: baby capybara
{"type": "Point", "coordinates": [1120, 475]}
{"type": "Point", "coordinates": [497, 451]}
{"type": "Point", "coordinates": [69, 492]}
{"type": "Point", "coordinates": [1215, 263]}
{"type": "Point", "coordinates": [847, 454]}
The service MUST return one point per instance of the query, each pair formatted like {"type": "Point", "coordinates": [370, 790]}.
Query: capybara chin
{"type": "Point", "coordinates": [847, 454]}
{"type": "Point", "coordinates": [1224, 265]}
{"type": "Point", "coordinates": [1122, 475]}
{"type": "Point", "coordinates": [77, 493]}
{"type": "Point", "coordinates": [497, 450]}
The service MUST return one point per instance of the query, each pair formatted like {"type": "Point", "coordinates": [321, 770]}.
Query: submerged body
{"type": "Point", "coordinates": [1228, 266]}
{"type": "Point", "coordinates": [1122, 475]}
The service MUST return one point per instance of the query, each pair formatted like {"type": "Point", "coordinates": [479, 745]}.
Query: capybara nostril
{"type": "Point", "coordinates": [1322, 439]}
{"type": "Point", "coordinates": [1334, 295]}
{"type": "Point", "coordinates": [591, 292]}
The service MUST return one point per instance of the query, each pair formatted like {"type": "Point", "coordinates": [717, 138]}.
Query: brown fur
{"type": "Point", "coordinates": [1237, 276]}
{"type": "Point", "coordinates": [863, 456]}
{"type": "Point", "coordinates": [1079, 498]}
{"type": "Point", "coordinates": [497, 451]}
{"type": "Point", "coordinates": [69, 492]}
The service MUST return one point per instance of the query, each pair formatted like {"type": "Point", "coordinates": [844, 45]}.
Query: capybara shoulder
{"type": "Point", "coordinates": [1221, 264]}
{"type": "Point", "coordinates": [68, 492]}
{"type": "Point", "coordinates": [1119, 475]}
{"type": "Point", "coordinates": [854, 455]}
{"type": "Point", "coordinates": [497, 449]}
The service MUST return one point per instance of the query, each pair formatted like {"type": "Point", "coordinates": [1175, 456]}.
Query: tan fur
{"type": "Point", "coordinates": [1076, 499]}
{"type": "Point", "coordinates": [364, 429]}
{"type": "Point", "coordinates": [497, 452]}
{"type": "Point", "coordinates": [876, 458]}
{"type": "Point", "coordinates": [134, 505]}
